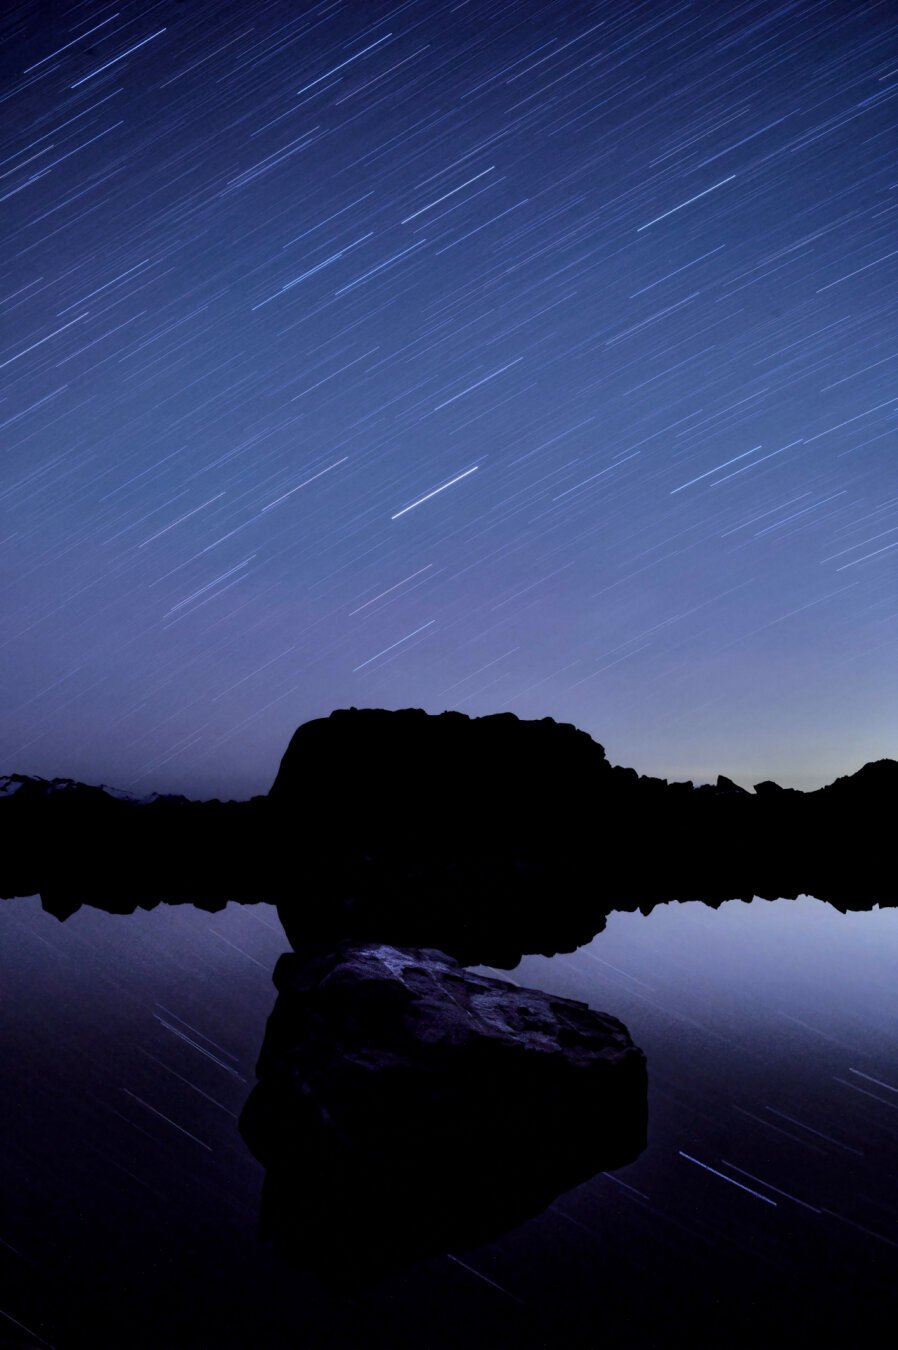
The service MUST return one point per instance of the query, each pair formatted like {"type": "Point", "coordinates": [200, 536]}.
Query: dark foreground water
{"type": "Point", "coordinates": [763, 1213]}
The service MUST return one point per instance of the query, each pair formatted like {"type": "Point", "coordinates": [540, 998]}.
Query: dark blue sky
{"type": "Point", "coordinates": [488, 356]}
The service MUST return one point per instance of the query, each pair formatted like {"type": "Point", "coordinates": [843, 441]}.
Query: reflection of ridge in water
{"type": "Point", "coordinates": [407, 1107]}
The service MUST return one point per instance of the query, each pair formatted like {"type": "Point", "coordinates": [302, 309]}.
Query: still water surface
{"type": "Point", "coordinates": [764, 1211]}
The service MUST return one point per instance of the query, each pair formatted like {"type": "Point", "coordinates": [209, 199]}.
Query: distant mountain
{"type": "Point", "coordinates": [40, 788]}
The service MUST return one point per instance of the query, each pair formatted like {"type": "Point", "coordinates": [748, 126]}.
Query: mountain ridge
{"type": "Point", "coordinates": [486, 837]}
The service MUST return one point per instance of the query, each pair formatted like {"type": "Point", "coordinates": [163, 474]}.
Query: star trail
{"type": "Point", "coordinates": [531, 356]}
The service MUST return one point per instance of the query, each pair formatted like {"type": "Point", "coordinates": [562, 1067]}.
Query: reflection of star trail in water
{"type": "Point", "coordinates": [760, 1022]}
{"type": "Point", "coordinates": [277, 278]}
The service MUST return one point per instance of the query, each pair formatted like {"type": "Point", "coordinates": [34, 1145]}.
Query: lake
{"type": "Point", "coordinates": [763, 1212]}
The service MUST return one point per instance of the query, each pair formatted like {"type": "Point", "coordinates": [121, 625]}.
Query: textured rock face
{"type": "Point", "coordinates": [406, 1106]}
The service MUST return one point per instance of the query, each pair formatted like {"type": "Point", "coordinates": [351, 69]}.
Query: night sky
{"type": "Point", "coordinates": [526, 356]}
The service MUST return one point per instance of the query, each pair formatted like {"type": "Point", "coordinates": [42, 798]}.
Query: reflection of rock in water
{"type": "Point", "coordinates": [406, 1106]}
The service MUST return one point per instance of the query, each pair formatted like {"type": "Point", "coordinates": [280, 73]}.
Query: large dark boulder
{"type": "Point", "coordinates": [446, 831]}
{"type": "Point", "coordinates": [498, 763]}
{"type": "Point", "coordinates": [407, 1107]}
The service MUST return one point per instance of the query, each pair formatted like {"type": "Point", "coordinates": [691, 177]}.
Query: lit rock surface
{"type": "Point", "coordinates": [407, 1107]}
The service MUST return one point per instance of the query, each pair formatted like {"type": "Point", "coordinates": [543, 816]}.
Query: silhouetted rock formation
{"type": "Point", "coordinates": [406, 1107]}
{"type": "Point", "coordinates": [486, 837]}
{"type": "Point", "coordinates": [445, 831]}
{"type": "Point", "coordinates": [491, 838]}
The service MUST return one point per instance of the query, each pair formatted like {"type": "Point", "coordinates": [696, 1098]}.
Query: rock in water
{"type": "Point", "coordinates": [407, 1107]}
